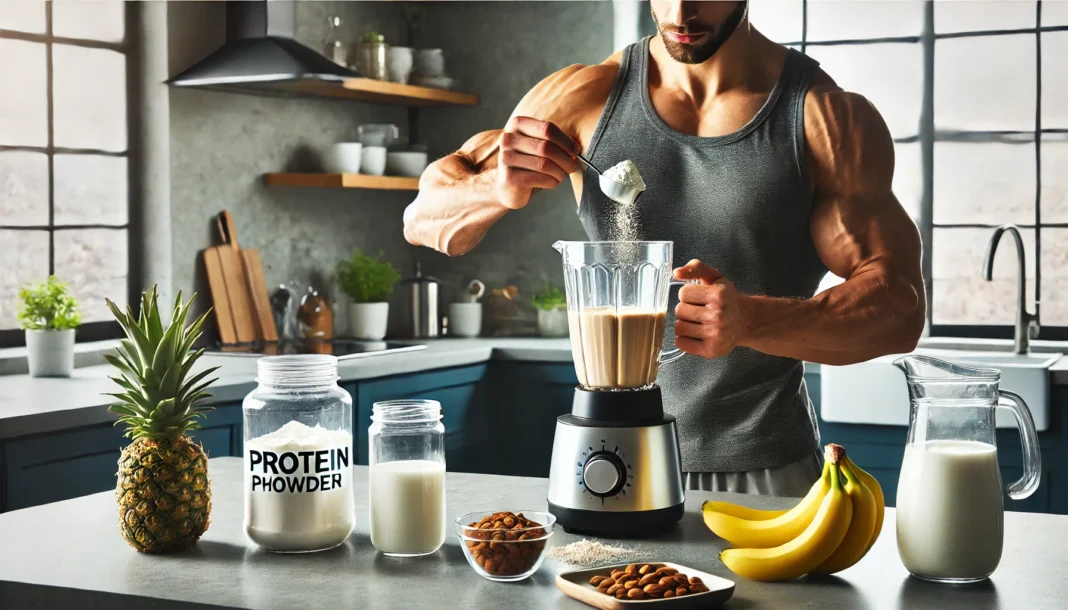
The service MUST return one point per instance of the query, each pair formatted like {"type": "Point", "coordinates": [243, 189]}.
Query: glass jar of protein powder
{"type": "Point", "coordinates": [407, 477]}
{"type": "Point", "coordinates": [298, 455]}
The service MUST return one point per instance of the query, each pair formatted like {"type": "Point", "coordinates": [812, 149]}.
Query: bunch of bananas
{"type": "Point", "coordinates": [831, 529]}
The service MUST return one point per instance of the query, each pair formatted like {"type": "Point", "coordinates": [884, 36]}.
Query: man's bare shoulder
{"type": "Point", "coordinates": [569, 97]}
{"type": "Point", "coordinates": [844, 133]}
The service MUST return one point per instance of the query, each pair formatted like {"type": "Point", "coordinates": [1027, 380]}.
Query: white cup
{"type": "Point", "coordinates": [409, 163]}
{"type": "Point", "coordinates": [465, 319]}
{"type": "Point", "coordinates": [400, 64]}
{"type": "Point", "coordinates": [374, 160]}
{"type": "Point", "coordinates": [342, 158]}
{"type": "Point", "coordinates": [430, 62]}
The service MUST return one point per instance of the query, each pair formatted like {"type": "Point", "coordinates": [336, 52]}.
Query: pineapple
{"type": "Point", "coordinates": [163, 490]}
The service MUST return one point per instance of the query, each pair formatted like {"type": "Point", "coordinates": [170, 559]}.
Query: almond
{"type": "Point", "coordinates": [647, 579]}
{"type": "Point", "coordinates": [654, 589]}
{"type": "Point", "coordinates": [669, 593]}
{"type": "Point", "coordinates": [695, 580]}
{"type": "Point", "coordinates": [621, 593]}
{"type": "Point", "coordinates": [596, 579]}
{"type": "Point", "coordinates": [698, 588]}
{"type": "Point", "coordinates": [636, 593]}
{"type": "Point", "coordinates": [630, 584]}
{"type": "Point", "coordinates": [667, 581]}
{"type": "Point", "coordinates": [645, 569]}
{"type": "Point", "coordinates": [680, 591]}
{"type": "Point", "coordinates": [631, 569]}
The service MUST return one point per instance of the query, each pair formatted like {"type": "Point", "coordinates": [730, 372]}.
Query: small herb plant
{"type": "Point", "coordinates": [549, 298]}
{"type": "Point", "coordinates": [372, 36]}
{"type": "Point", "coordinates": [366, 278]}
{"type": "Point", "coordinates": [48, 306]}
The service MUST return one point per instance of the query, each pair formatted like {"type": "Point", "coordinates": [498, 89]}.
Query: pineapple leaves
{"type": "Point", "coordinates": [155, 365]}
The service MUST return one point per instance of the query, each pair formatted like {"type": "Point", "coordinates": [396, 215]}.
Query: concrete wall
{"type": "Point", "coordinates": [222, 143]}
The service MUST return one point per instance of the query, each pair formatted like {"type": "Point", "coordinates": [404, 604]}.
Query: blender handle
{"type": "Point", "coordinates": [667, 356]}
{"type": "Point", "coordinates": [1032, 458]}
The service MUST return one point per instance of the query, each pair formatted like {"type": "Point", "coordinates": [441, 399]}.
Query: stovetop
{"type": "Point", "coordinates": [344, 349]}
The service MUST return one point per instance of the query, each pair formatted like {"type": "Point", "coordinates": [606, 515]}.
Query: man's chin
{"type": "Point", "coordinates": [689, 53]}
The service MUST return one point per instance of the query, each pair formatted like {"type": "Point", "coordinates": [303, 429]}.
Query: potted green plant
{"type": "Point", "coordinates": [551, 304]}
{"type": "Point", "coordinates": [49, 315]}
{"type": "Point", "coordinates": [368, 281]}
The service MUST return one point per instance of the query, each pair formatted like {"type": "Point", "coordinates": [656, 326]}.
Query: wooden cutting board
{"type": "Point", "coordinates": [257, 286]}
{"type": "Point", "coordinates": [233, 270]}
{"type": "Point", "coordinates": [224, 318]}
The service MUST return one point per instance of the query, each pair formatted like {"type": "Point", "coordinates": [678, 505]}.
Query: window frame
{"type": "Point", "coordinates": [98, 330]}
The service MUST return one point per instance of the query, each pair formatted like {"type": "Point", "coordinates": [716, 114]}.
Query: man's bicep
{"type": "Point", "coordinates": [856, 220]}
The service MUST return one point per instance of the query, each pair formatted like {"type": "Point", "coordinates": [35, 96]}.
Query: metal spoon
{"type": "Point", "coordinates": [620, 193]}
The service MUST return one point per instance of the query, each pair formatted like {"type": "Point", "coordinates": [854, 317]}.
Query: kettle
{"type": "Point", "coordinates": [417, 307]}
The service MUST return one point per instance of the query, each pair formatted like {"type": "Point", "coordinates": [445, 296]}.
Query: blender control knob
{"type": "Point", "coordinates": [602, 474]}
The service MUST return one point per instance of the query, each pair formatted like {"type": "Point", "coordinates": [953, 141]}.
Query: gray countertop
{"type": "Point", "coordinates": [35, 405]}
{"type": "Point", "coordinates": [70, 554]}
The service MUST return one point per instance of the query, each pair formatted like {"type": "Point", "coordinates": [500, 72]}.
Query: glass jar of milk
{"type": "Point", "coordinates": [407, 477]}
{"type": "Point", "coordinates": [298, 455]}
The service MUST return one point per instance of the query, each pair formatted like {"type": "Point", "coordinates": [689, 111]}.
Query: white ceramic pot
{"type": "Point", "coordinates": [50, 353]}
{"type": "Point", "coordinates": [368, 320]}
{"type": "Point", "coordinates": [342, 158]}
{"type": "Point", "coordinates": [400, 64]}
{"type": "Point", "coordinates": [465, 319]}
{"type": "Point", "coordinates": [552, 322]}
{"type": "Point", "coordinates": [374, 160]}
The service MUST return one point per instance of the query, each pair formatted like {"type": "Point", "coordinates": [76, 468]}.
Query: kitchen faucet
{"type": "Point", "coordinates": [1026, 323]}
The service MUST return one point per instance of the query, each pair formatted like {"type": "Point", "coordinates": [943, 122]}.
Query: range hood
{"type": "Point", "coordinates": [260, 55]}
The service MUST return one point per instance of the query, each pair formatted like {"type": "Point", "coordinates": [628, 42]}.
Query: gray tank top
{"type": "Point", "coordinates": [741, 204]}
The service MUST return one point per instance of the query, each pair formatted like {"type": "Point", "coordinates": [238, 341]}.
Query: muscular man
{"type": "Point", "coordinates": [762, 171]}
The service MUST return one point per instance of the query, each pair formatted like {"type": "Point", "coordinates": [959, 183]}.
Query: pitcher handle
{"type": "Point", "coordinates": [1032, 458]}
{"type": "Point", "coordinates": [667, 356]}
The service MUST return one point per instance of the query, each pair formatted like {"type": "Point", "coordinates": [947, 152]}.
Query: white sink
{"type": "Point", "coordinates": [874, 392]}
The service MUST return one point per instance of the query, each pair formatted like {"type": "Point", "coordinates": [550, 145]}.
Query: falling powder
{"type": "Point", "coordinates": [623, 218]}
{"type": "Point", "coordinates": [590, 553]}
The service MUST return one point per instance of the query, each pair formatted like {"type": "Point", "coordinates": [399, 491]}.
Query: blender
{"type": "Point", "coordinates": [616, 466]}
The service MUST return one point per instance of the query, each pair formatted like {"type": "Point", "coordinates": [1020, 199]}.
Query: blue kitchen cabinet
{"type": "Point", "coordinates": [527, 397]}
{"type": "Point", "coordinates": [881, 449]}
{"type": "Point", "coordinates": [463, 409]}
{"type": "Point", "coordinates": [62, 465]}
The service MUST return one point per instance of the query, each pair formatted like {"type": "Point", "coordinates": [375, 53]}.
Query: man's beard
{"type": "Point", "coordinates": [699, 53]}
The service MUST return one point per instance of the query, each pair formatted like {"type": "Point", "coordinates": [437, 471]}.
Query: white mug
{"type": "Point", "coordinates": [465, 319]}
{"type": "Point", "coordinates": [374, 160]}
{"type": "Point", "coordinates": [342, 158]}
{"type": "Point", "coordinates": [400, 64]}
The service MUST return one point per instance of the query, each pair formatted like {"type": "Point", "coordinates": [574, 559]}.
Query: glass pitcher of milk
{"type": "Point", "coordinates": [949, 499]}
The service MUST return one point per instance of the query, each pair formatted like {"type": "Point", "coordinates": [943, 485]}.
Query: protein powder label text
{"type": "Point", "coordinates": [299, 471]}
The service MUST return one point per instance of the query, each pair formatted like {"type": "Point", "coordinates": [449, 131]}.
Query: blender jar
{"type": "Point", "coordinates": [407, 477]}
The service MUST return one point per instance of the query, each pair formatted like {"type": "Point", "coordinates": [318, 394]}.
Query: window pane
{"type": "Point", "coordinates": [90, 98]}
{"type": "Point", "coordinates": [1054, 79]}
{"type": "Point", "coordinates": [908, 177]}
{"type": "Point", "coordinates": [985, 83]}
{"type": "Point", "coordinates": [984, 182]}
{"type": "Point", "coordinates": [972, 15]}
{"type": "Point", "coordinates": [94, 261]}
{"type": "Point", "coordinates": [90, 189]}
{"type": "Point", "coordinates": [23, 188]}
{"type": "Point", "coordinates": [855, 19]}
{"type": "Point", "coordinates": [1055, 179]}
{"type": "Point", "coordinates": [23, 108]}
{"type": "Point", "coordinates": [890, 75]}
{"type": "Point", "coordinates": [1055, 13]}
{"type": "Point", "coordinates": [1054, 277]}
{"type": "Point", "coordinates": [97, 20]}
{"type": "Point", "coordinates": [23, 16]}
{"type": "Point", "coordinates": [23, 259]}
{"type": "Point", "coordinates": [960, 294]}
{"type": "Point", "coordinates": [779, 20]}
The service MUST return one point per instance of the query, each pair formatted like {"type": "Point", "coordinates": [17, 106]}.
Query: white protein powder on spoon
{"type": "Point", "coordinates": [626, 173]}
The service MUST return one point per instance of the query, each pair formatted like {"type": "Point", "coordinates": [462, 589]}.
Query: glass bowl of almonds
{"type": "Point", "coordinates": [505, 546]}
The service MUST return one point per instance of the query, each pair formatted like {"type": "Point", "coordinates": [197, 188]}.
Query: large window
{"type": "Point", "coordinates": [64, 200]}
{"type": "Point", "coordinates": [975, 93]}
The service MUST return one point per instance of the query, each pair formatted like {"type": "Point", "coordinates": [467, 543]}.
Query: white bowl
{"type": "Point", "coordinates": [434, 82]}
{"type": "Point", "coordinates": [374, 160]}
{"type": "Point", "coordinates": [343, 157]}
{"type": "Point", "coordinates": [405, 163]}
{"type": "Point", "coordinates": [430, 62]}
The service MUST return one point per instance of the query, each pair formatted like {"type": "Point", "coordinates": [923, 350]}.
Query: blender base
{"type": "Point", "coordinates": [631, 524]}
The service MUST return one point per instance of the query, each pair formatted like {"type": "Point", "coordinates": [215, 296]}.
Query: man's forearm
{"type": "Point", "coordinates": [455, 207]}
{"type": "Point", "coordinates": [863, 318]}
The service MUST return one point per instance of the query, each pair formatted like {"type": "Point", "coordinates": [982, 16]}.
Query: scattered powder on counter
{"type": "Point", "coordinates": [591, 553]}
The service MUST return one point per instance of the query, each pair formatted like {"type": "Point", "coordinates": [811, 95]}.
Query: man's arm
{"type": "Point", "coordinates": [462, 195]}
{"type": "Point", "coordinates": [861, 233]}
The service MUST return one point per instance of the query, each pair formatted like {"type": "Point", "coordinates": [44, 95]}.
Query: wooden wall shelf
{"type": "Point", "coordinates": [380, 92]}
{"type": "Point", "coordinates": [348, 181]}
